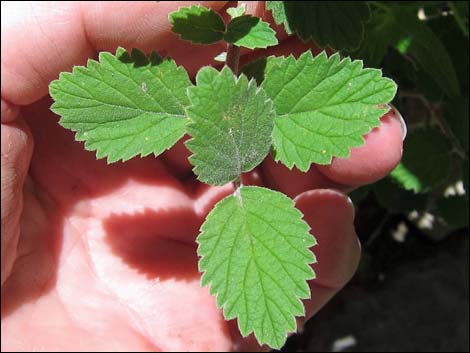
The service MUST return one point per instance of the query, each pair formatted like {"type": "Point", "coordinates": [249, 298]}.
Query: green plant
{"type": "Point", "coordinates": [424, 47]}
{"type": "Point", "coordinates": [254, 245]}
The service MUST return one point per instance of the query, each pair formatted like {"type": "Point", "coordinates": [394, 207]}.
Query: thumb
{"type": "Point", "coordinates": [16, 150]}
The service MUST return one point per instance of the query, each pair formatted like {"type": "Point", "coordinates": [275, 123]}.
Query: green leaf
{"type": "Point", "coordinates": [324, 106]}
{"type": "Point", "coordinates": [255, 257]}
{"type": "Point", "coordinates": [426, 161]}
{"type": "Point", "coordinates": [427, 50]}
{"type": "Point", "coordinates": [457, 117]}
{"type": "Point", "coordinates": [236, 11]}
{"type": "Point", "coordinates": [380, 33]}
{"type": "Point", "coordinates": [124, 105]}
{"type": "Point", "coordinates": [457, 47]}
{"type": "Point", "coordinates": [231, 123]}
{"type": "Point", "coordinates": [278, 12]}
{"type": "Point", "coordinates": [250, 32]}
{"type": "Point", "coordinates": [197, 24]}
{"type": "Point", "coordinates": [403, 45]}
{"type": "Point", "coordinates": [460, 12]}
{"type": "Point", "coordinates": [394, 198]}
{"type": "Point", "coordinates": [338, 24]}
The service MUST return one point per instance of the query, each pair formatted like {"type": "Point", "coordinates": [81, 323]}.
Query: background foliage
{"type": "Point", "coordinates": [411, 290]}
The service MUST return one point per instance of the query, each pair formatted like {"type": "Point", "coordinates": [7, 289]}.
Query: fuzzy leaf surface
{"type": "Point", "coordinates": [231, 123]}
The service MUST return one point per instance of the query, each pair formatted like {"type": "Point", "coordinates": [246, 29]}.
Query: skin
{"type": "Point", "coordinates": [98, 257]}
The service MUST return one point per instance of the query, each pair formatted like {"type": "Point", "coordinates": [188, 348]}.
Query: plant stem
{"type": "Point", "coordinates": [233, 57]}
{"type": "Point", "coordinates": [237, 183]}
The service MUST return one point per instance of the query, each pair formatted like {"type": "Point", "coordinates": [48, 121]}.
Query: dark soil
{"type": "Point", "coordinates": [406, 296]}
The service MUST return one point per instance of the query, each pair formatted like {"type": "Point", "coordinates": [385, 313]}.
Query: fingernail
{"type": "Point", "coordinates": [351, 203]}
{"type": "Point", "coordinates": [404, 129]}
{"type": "Point", "coordinates": [9, 111]}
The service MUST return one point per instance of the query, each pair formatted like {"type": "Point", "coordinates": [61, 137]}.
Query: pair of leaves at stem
{"type": "Point", "coordinates": [337, 24]}
{"type": "Point", "coordinates": [254, 245]}
{"type": "Point", "coordinates": [201, 25]}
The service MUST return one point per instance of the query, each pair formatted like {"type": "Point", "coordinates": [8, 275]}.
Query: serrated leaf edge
{"type": "Point", "coordinates": [208, 284]}
{"type": "Point", "coordinates": [323, 53]}
{"type": "Point", "coordinates": [266, 24]}
{"type": "Point", "coordinates": [91, 62]}
{"type": "Point", "coordinates": [250, 83]}
{"type": "Point", "coordinates": [198, 7]}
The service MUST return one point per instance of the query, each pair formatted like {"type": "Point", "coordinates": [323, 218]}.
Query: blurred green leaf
{"type": "Point", "coordinates": [399, 26]}
{"type": "Point", "coordinates": [427, 50]}
{"type": "Point", "coordinates": [396, 199]}
{"type": "Point", "coordinates": [457, 47]}
{"type": "Point", "coordinates": [403, 45]}
{"type": "Point", "coordinates": [462, 7]}
{"type": "Point", "coordinates": [379, 34]}
{"type": "Point", "coordinates": [337, 24]}
{"type": "Point", "coordinates": [460, 12]}
{"type": "Point", "coordinates": [401, 69]}
{"type": "Point", "coordinates": [426, 161]}
{"type": "Point", "coordinates": [456, 115]}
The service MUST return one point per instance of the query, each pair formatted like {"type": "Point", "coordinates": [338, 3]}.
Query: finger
{"type": "Point", "coordinates": [381, 152]}
{"type": "Point", "coordinates": [9, 111]}
{"type": "Point", "coordinates": [176, 158]}
{"type": "Point", "coordinates": [330, 215]}
{"type": "Point", "coordinates": [40, 40]}
{"type": "Point", "coordinates": [76, 181]}
{"type": "Point", "coordinates": [177, 155]}
{"type": "Point", "coordinates": [16, 150]}
{"type": "Point", "coordinates": [292, 182]}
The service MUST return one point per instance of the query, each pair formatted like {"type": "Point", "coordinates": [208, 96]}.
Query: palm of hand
{"type": "Point", "coordinates": [106, 258]}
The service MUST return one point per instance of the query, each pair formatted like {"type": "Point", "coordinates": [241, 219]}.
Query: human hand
{"type": "Point", "coordinates": [98, 257]}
